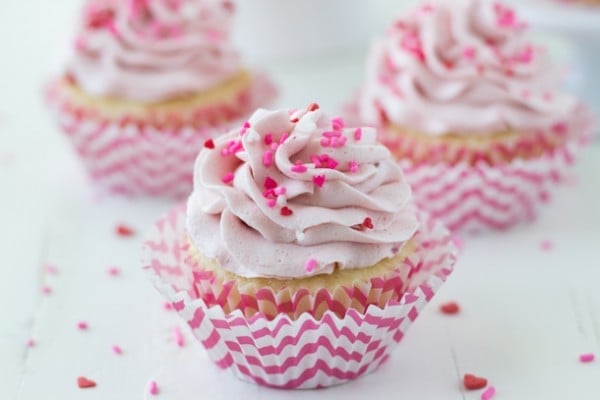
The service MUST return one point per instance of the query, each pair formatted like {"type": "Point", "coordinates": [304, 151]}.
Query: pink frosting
{"type": "Point", "coordinates": [462, 66]}
{"type": "Point", "coordinates": [152, 50]}
{"type": "Point", "coordinates": [295, 194]}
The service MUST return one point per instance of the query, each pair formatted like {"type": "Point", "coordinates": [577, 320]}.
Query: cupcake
{"type": "Point", "coordinates": [147, 83]}
{"type": "Point", "coordinates": [299, 260]}
{"type": "Point", "coordinates": [473, 110]}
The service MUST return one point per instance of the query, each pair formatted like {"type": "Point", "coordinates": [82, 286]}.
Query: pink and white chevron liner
{"type": "Point", "coordinates": [474, 198]}
{"type": "Point", "coordinates": [134, 160]}
{"type": "Point", "coordinates": [302, 353]}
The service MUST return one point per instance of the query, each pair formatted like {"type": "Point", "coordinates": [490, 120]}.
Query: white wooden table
{"type": "Point", "coordinates": [527, 313]}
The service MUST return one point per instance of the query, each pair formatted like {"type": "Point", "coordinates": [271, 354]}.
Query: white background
{"type": "Point", "coordinates": [527, 314]}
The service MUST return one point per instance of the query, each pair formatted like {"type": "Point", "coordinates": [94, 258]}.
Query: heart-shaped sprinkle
{"type": "Point", "coordinates": [285, 211]}
{"type": "Point", "coordinates": [209, 144]}
{"type": "Point", "coordinates": [319, 180]}
{"type": "Point", "coordinates": [368, 223]}
{"type": "Point", "coordinates": [85, 383]}
{"type": "Point", "coordinates": [473, 382]}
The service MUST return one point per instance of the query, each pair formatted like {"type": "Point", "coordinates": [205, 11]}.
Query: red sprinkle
{"type": "Point", "coordinates": [313, 107]}
{"type": "Point", "coordinates": [319, 180]}
{"type": "Point", "coordinates": [124, 230]}
{"type": "Point", "coordinates": [450, 308]}
{"type": "Point", "coordinates": [85, 383]}
{"type": "Point", "coordinates": [209, 144]}
{"type": "Point", "coordinates": [285, 211]}
{"type": "Point", "coordinates": [473, 382]}
{"type": "Point", "coordinates": [368, 223]}
{"type": "Point", "coordinates": [270, 183]}
{"type": "Point", "coordinates": [294, 120]}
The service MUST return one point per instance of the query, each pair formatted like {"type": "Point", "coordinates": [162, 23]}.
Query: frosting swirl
{"type": "Point", "coordinates": [462, 67]}
{"type": "Point", "coordinates": [153, 50]}
{"type": "Point", "coordinates": [297, 194]}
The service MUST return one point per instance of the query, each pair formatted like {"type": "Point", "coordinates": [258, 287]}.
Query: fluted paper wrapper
{"type": "Point", "coordinates": [304, 352]}
{"type": "Point", "coordinates": [134, 159]}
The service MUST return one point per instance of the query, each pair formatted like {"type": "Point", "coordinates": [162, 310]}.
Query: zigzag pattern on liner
{"type": "Point", "coordinates": [286, 353]}
{"type": "Point", "coordinates": [479, 197]}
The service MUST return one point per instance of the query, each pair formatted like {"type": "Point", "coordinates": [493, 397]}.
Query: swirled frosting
{"type": "Point", "coordinates": [153, 50]}
{"type": "Point", "coordinates": [295, 194]}
{"type": "Point", "coordinates": [462, 67]}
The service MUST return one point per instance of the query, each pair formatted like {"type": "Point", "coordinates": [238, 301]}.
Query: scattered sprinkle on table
{"type": "Point", "coordinates": [51, 269]}
{"type": "Point", "coordinates": [153, 388]}
{"type": "Point", "coordinates": [178, 337]}
{"type": "Point", "coordinates": [546, 245]}
{"type": "Point", "coordinates": [458, 242]}
{"type": "Point", "coordinates": [46, 289]}
{"type": "Point", "coordinates": [82, 325]}
{"type": "Point", "coordinates": [488, 393]}
{"type": "Point", "coordinates": [30, 343]}
{"type": "Point", "coordinates": [587, 357]}
{"type": "Point", "coordinates": [473, 382]}
{"type": "Point", "coordinates": [113, 271]}
{"type": "Point", "coordinates": [85, 383]}
{"type": "Point", "coordinates": [168, 306]}
{"type": "Point", "coordinates": [450, 308]}
{"type": "Point", "coordinates": [124, 230]}
{"type": "Point", "coordinates": [117, 349]}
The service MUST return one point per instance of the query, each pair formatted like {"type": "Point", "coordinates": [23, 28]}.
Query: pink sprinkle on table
{"type": "Point", "coordinates": [117, 349]}
{"type": "Point", "coordinates": [153, 388]}
{"type": "Point", "coordinates": [546, 245]}
{"type": "Point", "coordinates": [51, 269]}
{"type": "Point", "coordinates": [168, 306]}
{"type": "Point", "coordinates": [113, 271]}
{"type": "Point", "coordinates": [178, 337]}
{"type": "Point", "coordinates": [488, 393]}
{"type": "Point", "coordinates": [46, 290]}
{"type": "Point", "coordinates": [82, 325]}
{"type": "Point", "coordinates": [30, 343]}
{"type": "Point", "coordinates": [124, 230]}
{"type": "Point", "coordinates": [587, 357]}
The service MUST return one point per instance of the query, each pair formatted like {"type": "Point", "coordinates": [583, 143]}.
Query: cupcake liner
{"type": "Point", "coordinates": [472, 198]}
{"type": "Point", "coordinates": [357, 294]}
{"type": "Point", "coordinates": [134, 158]}
{"type": "Point", "coordinates": [295, 353]}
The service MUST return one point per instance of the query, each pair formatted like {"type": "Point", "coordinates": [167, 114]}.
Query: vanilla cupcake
{"type": "Point", "coordinates": [299, 231]}
{"type": "Point", "coordinates": [473, 110]}
{"type": "Point", "coordinates": [147, 83]}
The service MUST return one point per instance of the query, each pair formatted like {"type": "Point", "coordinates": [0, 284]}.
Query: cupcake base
{"type": "Point", "coordinates": [148, 150]}
{"type": "Point", "coordinates": [295, 353]}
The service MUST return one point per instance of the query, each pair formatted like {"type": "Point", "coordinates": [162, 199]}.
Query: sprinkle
{"type": "Point", "coordinates": [286, 212]}
{"type": "Point", "coordinates": [30, 343]}
{"type": "Point", "coordinates": [472, 382]}
{"type": "Point", "coordinates": [117, 349]}
{"type": "Point", "coordinates": [319, 180]}
{"type": "Point", "coordinates": [326, 142]}
{"type": "Point", "coordinates": [299, 168]}
{"type": "Point", "coordinates": [153, 388]}
{"type": "Point", "coordinates": [488, 393]}
{"type": "Point", "coordinates": [271, 203]}
{"type": "Point", "coordinates": [560, 128]}
{"type": "Point", "coordinates": [353, 165]}
{"type": "Point", "coordinates": [458, 242]}
{"type": "Point", "coordinates": [313, 107]}
{"type": "Point", "coordinates": [357, 134]}
{"type": "Point", "coordinates": [245, 127]}
{"type": "Point", "coordinates": [587, 357]}
{"type": "Point", "coordinates": [546, 245]}
{"type": "Point", "coordinates": [178, 337]}
{"type": "Point", "coordinates": [51, 269]}
{"type": "Point", "coordinates": [85, 383]}
{"type": "Point", "coordinates": [294, 120]}
{"type": "Point", "coordinates": [270, 183]}
{"type": "Point", "coordinates": [368, 223]}
{"type": "Point", "coordinates": [337, 123]}
{"type": "Point", "coordinates": [124, 230]}
{"type": "Point", "coordinates": [209, 144]}
{"type": "Point", "coordinates": [310, 265]}
{"type": "Point", "coordinates": [46, 289]}
{"type": "Point", "coordinates": [113, 271]}
{"type": "Point", "coordinates": [227, 178]}
{"type": "Point", "coordinates": [267, 158]}
{"type": "Point", "coordinates": [469, 52]}
{"type": "Point", "coordinates": [268, 139]}
{"type": "Point", "coordinates": [82, 325]}
{"type": "Point", "coordinates": [168, 306]}
{"type": "Point", "coordinates": [279, 190]}
{"type": "Point", "coordinates": [450, 308]}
